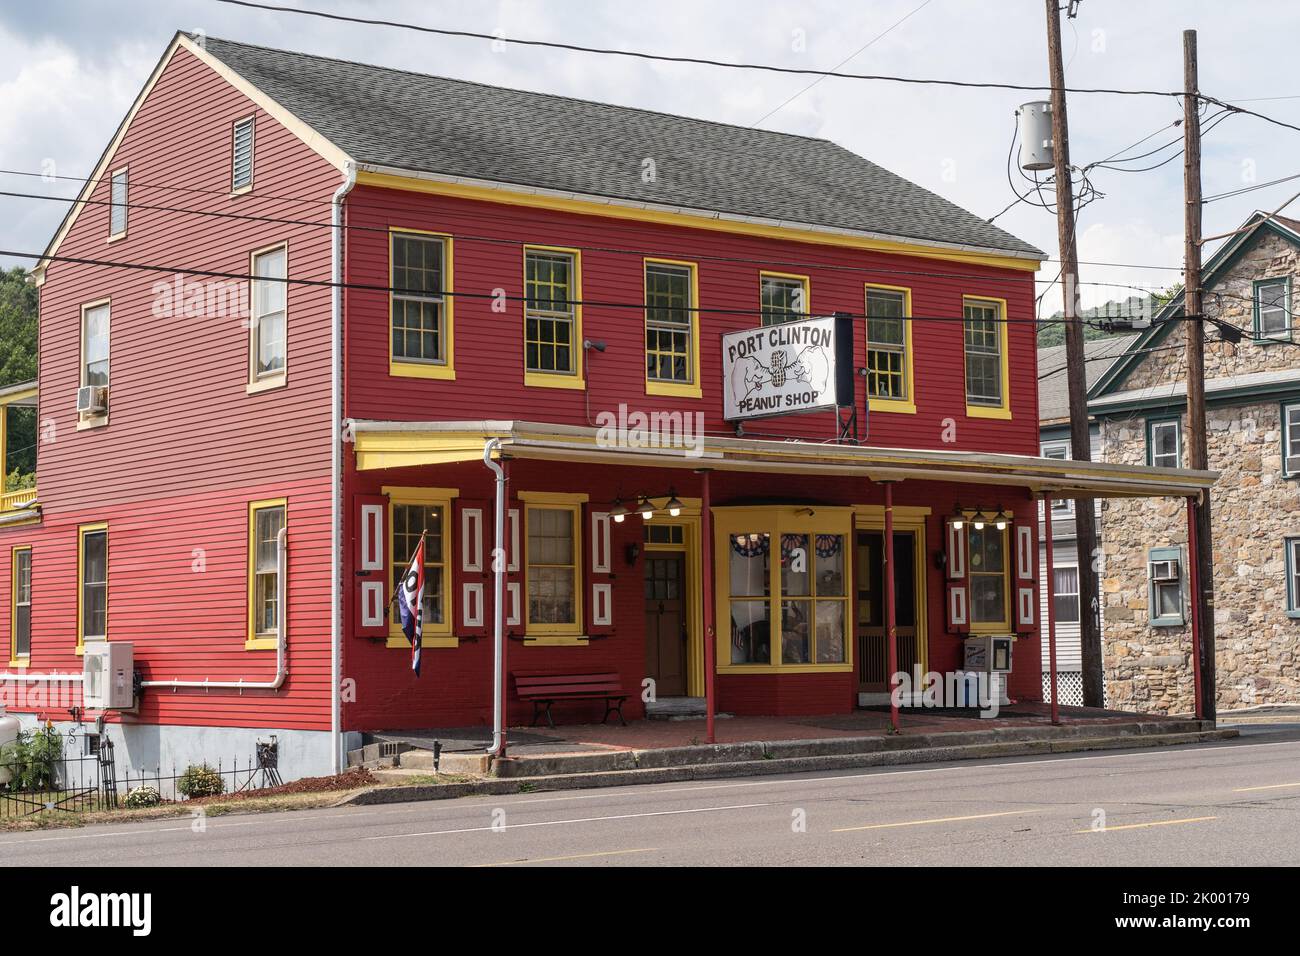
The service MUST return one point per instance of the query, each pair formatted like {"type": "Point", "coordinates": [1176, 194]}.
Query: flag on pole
{"type": "Point", "coordinates": [410, 603]}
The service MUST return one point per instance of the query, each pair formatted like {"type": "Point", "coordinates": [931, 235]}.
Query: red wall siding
{"type": "Point", "coordinates": [186, 448]}
{"type": "Point", "coordinates": [489, 349]}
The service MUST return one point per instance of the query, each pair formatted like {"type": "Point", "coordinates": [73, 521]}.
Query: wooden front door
{"type": "Point", "coordinates": [665, 623]}
{"type": "Point", "coordinates": [873, 649]}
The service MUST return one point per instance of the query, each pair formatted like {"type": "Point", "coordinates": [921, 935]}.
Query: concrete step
{"type": "Point", "coordinates": [476, 763]}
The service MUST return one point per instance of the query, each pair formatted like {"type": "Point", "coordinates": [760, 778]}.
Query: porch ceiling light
{"type": "Point", "coordinates": [978, 520]}
{"type": "Point", "coordinates": [619, 511]}
{"type": "Point", "coordinates": [958, 517]}
{"type": "Point", "coordinates": [674, 505]}
{"type": "Point", "coordinates": [646, 508]}
{"type": "Point", "coordinates": [1002, 519]}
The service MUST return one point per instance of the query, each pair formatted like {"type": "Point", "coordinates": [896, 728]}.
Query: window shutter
{"type": "Point", "coordinates": [956, 581]}
{"type": "Point", "coordinates": [599, 533]}
{"type": "Point", "coordinates": [241, 174]}
{"type": "Point", "coordinates": [471, 568]}
{"type": "Point", "coordinates": [1025, 618]}
{"type": "Point", "coordinates": [514, 590]}
{"type": "Point", "coordinates": [370, 564]}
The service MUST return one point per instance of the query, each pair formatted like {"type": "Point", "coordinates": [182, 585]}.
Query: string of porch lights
{"type": "Point", "coordinates": [979, 519]}
{"type": "Point", "coordinates": [646, 507]}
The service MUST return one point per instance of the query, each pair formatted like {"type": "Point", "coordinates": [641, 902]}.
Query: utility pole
{"type": "Point", "coordinates": [1085, 521]}
{"type": "Point", "coordinates": [1194, 338]}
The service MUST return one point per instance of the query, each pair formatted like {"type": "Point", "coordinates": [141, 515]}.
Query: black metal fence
{"type": "Point", "coordinates": [48, 772]}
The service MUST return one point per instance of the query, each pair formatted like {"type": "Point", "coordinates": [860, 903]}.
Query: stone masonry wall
{"type": "Point", "coordinates": [1253, 509]}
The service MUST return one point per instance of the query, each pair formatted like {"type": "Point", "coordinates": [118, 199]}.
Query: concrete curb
{"type": "Point", "coordinates": [771, 766]}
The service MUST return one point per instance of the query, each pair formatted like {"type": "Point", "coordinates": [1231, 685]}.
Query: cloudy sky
{"type": "Point", "coordinates": [69, 70]}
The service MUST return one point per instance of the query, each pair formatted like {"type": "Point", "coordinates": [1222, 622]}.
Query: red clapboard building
{"type": "Point", "coordinates": [306, 311]}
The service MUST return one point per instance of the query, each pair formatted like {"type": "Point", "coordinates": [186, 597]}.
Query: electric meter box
{"type": "Point", "coordinates": [108, 675]}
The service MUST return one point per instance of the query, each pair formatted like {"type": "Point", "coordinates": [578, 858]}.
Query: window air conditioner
{"type": "Point", "coordinates": [92, 399]}
{"type": "Point", "coordinates": [1164, 570]}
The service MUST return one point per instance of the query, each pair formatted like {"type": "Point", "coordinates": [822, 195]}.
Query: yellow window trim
{"type": "Point", "coordinates": [431, 635]}
{"type": "Point", "coordinates": [554, 635]}
{"type": "Point", "coordinates": [254, 641]}
{"type": "Point", "coordinates": [445, 371]}
{"type": "Point", "coordinates": [717, 223]}
{"type": "Point", "coordinates": [905, 406]}
{"type": "Point", "coordinates": [691, 389]}
{"type": "Point", "coordinates": [1002, 411]}
{"type": "Point", "coordinates": [689, 522]}
{"type": "Point", "coordinates": [777, 521]}
{"type": "Point", "coordinates": [271, 380]}
{"type": "Point", "coordinates": [16, 659]}
{"type": "Point", "coordinates": [1002, 627]}
{"type": "Point", "coordinates": [807, 290]}
{"type": "Point", "coordinates": [576, 378]}
{"type": "Point", "coordinates": [82, 531]}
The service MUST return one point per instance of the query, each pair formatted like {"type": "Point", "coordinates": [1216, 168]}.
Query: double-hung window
{"type": "Point", "coordinates": [1273, 309]}
{"type": "Point", "coordinates": [1291, 440]}
{"type": "Point", "coordinates": [552, 572]}
{"type": "Point", "coordinates": [265, 521]}
{"type": "Point", "coordinates": [92, 583]}
{"type": "Point", "coordinates": [889, 340]}
{"type": "Point", "coordinates": [420, 306]}
{"type": "Point", "coordinates": [414, 512]}
{"type": "Point", "coordinates": [552, 318]}
{"type": "Point", "coordinates": [241, 156]}
{"type": "Point", "coordinates": [1164, 443]}
{"type": "Point", "coordinates": [1060, 451]}
{"type": "Point", "coordinates": [268, 326]}
{"type": "Point", "coordinates": [1165, 584]}
{"type": "Point", "coordinates": [118, 205]}
{"type": "Point", "coordinates": [1292, 546]}
{"type": "Point", "coordinates": [20, 636]}
{"type": "Point", "coordinates": [671, 337]}
{"type": "Point", "coordinates": [1065, 585]}
{"type": "Point", "coordinates": [94, 344]}
{"type": "Point", "coordinates": [984, 331]}
{"type": "Point", "coordinates": [783, 298]}
{"type": "Point", "coordinates": [987, 566]}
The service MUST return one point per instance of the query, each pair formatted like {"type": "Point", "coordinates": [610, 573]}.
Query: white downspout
{"type": "Point", "coordinates": [336, 461]}
{"type": "Point", "coordinates": [498, 599]}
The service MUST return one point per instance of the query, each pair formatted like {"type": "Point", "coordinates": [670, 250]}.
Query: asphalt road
{"type": "Point", "coordinates": [1222, 804]}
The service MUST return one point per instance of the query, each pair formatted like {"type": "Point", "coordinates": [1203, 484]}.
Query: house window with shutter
{"type": "Point", "coordinates": [987, 567]}
{"type": "Point", "coordinates": [409, 517]}
{"type": "Point", "coordinates": [241, 163]}
{"type": "Point", "coordinates": [117, 209]}
{"type": "Point", "coordinates": [1291, 441]}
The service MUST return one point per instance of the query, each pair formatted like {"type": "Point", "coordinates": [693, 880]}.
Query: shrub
{"type": "Point", "coordinates": [200, 780]}
{"type": "Point", "coordinates": [142, 797]}
{"type": "Point", "coordinates": [30, 760]}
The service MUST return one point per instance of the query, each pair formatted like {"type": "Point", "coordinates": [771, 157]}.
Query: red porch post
{"type": "Point", "coordinates": [891, 629]}
{"type": "Point", "coordinates": [1194, 584]}
{"type": "Point", "coordinates": [706, 577]}
{"type": "Point", "coordinates": [1050, 585]}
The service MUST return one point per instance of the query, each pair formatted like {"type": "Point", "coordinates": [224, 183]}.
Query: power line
{"type": "Point", "coordinates": [696, 61]}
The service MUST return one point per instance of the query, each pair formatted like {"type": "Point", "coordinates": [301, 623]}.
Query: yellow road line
{"type": "Point", "coordinates": [558, 859]}
{"type": "Point", "coordinates": [1139, 826]}
{"type": "Point", "coordinates": [1273, 786]}
{"type": "Point", "coordinates": [917, 823]}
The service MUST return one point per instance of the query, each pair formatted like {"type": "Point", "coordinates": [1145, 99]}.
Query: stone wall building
{"type": "Point", "coordinates": [1253, 421]}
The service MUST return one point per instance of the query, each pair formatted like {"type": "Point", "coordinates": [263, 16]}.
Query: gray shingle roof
{"type": "Point", "coordinates": [1053, 388]}
{"type": "Point", "coordinates": [431, 124]}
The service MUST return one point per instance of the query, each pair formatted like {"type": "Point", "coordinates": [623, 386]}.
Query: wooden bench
{"type": "Point", "coordinates": [545, 689]}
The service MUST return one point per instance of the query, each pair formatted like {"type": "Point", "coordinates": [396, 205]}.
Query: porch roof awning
{"type": "Point", "coordinates": [391, 444]}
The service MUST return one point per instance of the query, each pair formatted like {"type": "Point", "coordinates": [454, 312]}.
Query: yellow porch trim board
{"type": "Point", "coordinates": [777, 521]}
{"type": "Point", "coordinates": [905, 406]}
{"type": "Point", "coordinates": [445, 370]}
{"type": "Point", "coordinates": [431, 635]}
{"type": "Point", "coordinates": [553, 497]}
{"type": "Point", "coordinates": [1002, 411]}
{"type": "Point", "coordinates": [866, 514]}
{"type": "Point", "coordinates": [542, 379]}
{"type": "Point", "coordinates": [689, 548]}
{"type": "Point", "coordinates": [252, 640]}
{"type": "Point", "coordinates": [504, 194]}
{"type": "Point", "coordinates": [555, 640]}
{"type": "Point", "coordinates": [693, 388]}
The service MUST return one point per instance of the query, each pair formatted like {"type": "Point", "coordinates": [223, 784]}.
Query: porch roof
{"type": "Point", "coordinates": [393, 444]}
